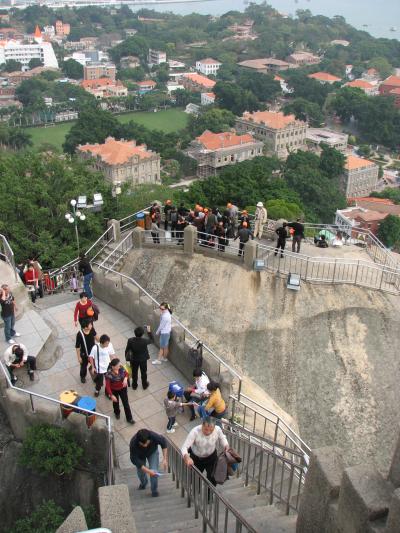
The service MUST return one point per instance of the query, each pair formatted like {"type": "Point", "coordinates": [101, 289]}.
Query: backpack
{"type": "Point", "coordinates": [174, 216]}
{"type": "Point", "coordinates": [195, 354]}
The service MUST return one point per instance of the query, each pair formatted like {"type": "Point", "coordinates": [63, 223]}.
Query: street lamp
{"type": "Point", "coordinates": [74, 218]}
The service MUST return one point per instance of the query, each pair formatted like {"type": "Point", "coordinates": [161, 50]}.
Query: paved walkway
{"type": "Point", "coordinates": [147, 405]}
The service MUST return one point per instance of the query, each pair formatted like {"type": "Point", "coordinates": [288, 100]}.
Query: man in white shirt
{"type": "Point", "coordinates": [100, 357]}
{"type": "Point", "coordinates": [16, 356]}
{"type": "Point", "coordinates": [197, 391]}
{"type": "Point", "coordinates": [200, 447]}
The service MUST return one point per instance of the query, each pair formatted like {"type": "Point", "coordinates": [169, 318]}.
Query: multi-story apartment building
{"type": "Point", "coordinates": [123, 161]}
{"type": "Point", "coordinates": [213, 151]}
{"type": "Point", "coordinates": [280, 133]}
{"type": "Point", "coordinates": [207, 98]}
{"type": "Point", "coordinates": [96, 70]}
{"type": "Point", "coordinates": [353, 218]}
{"type": "Point", "coordinates": [208, 66]}
{"type": "Point", "coordinates": [156, 57]}
{"type": "Point", "coordinates": [360, 177]}
{"type": "Point", "coordinates": [23, 53]}
{"type": "Point", "coordinates": [368, 88]}
{"type": "Point", "coordinates": [62, 29]}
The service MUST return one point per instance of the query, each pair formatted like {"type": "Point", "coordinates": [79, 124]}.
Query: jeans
{"type": "Point", "coordinates": [123, 394]}
{"type": "Point", "coordinates": [87, 278]}
{"type": "Point", "coordinates": [9, 323]}
{"type": "Point", "coordinates": [171, 422]}
{"type": "Point", "coordinates": [135, 365]}
{"type": "Point", "coordinates": [153, 461]}
{"type": "Point", "coordinates": [280, 245]}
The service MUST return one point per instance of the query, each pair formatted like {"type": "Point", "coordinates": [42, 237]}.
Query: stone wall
{"type": "Point", "coordinates": [355, 499]}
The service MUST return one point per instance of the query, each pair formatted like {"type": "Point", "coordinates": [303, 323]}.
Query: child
{"type": "Point", "coordinates": [172, 405]}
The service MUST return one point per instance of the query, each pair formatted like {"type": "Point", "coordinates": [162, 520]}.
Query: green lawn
{"type": "Point", "coordinates": [168, 121]}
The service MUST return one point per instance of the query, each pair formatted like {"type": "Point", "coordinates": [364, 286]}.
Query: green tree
{"type": "Point", "coordinates": [232, 97]}
{"type": "Point", "coordinates": [389, 231]}
{"type": "Point", "coordinates": [263, 86]}
{"type": "Point", "coordinates": [304, 110]}
{"type": "Point", "coordinates": [331, 162]}
{"type": "Point", "coordinates": [382, 65]}
{"type": "Point", "coordinates": [46, 518]}
{"type": "Point", "coordinates": [135, 74]}
{"type": "Point", "coordinates": [35, 62]}
{"type": "Point", "coordinates": [283, 209]}
{"type": "Point", "coordinates": [11, 65]}
{"type": "Point", "coordinates": [72, 69]}
{"type": "Point", "coordinates": [94, 125]}
{"type": "Point", "coordinates": [215, 120]}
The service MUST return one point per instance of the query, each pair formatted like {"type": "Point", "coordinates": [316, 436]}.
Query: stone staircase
{"type": "Point", "coordinates": [169, 512]}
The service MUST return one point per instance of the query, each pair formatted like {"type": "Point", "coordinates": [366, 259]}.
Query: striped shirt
{"type": "Point", "coordinates": [203, 445]}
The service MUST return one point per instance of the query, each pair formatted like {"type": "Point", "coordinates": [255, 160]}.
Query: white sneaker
{"type": "Point", "coordinates": [175, 425]}
{"type": "Point", "coordinates": [156, 362]}
{"type": "Point", "coordinates": [171, 430]}
{"type": "Point", "coordinates": [11, 341]}
{"type": "Point", "coordinates": [17, 334]}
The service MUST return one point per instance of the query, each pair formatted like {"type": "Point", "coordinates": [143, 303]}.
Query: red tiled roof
{"type": "Point", "coordinates": [353, 162]}
{"type": "Point", "coordinates": [200, 80]}
{"type": "Point", "coordinates": [371, 199]}
{"type": "Point", "coordinates": [99, 82]}
{"type": "Point", "coordinates": [274, 120]}
{"type": "Point", "coordinates": [395, 91]}
{"type": "Point", "coordinates": [324, 76]}
{"type": "Point", "coordinates": [116, 152]}
{"type": "Point", "coordinates": [146, 83]}
{"type": "Point", "coordinates": [392, 80]}
{"type": "Point", "coordinates": [215, 141]}
{"type": "Point", "coordinates": [360, 84]}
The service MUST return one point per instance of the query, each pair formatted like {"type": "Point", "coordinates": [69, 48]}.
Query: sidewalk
{"type": "Point", "coordinates": [147, 405]}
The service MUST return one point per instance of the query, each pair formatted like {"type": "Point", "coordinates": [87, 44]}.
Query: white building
{"type": "Point", "coordinates": [23, 53]}
{"type": "Point", "coordinates": [334, 139]}
{"type": "Point", "coordinates": [207, 98]}
{"type": "Point", "coordinates": [156, 57]}
{"type": "Point", "coordinates": [208, 66]}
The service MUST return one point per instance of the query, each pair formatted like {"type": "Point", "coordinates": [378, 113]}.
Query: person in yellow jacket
{"type": "Point", "coordinates": [215, 405]}
{"type": "Point", "coordinates": [261, 218]}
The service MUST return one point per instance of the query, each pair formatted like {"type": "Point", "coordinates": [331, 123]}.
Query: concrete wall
{"type": "Point", "coordinates": [127, 298]}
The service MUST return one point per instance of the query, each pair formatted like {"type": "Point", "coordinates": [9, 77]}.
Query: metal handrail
{"type": "Point", "coordinates": [117, 248]}
{"type": "Point", "coordinates": [290, 438]}
{"type": "Point", "coordinates": [196, 339]}
{"type": "Point", "coordinates": [8, 254]}
{"type": "Point", "coordinates": [31, 394]}
{"type": "Point", "coordinates": [269, 470]}
{"type": "Point", "coordinates": [204, 496]}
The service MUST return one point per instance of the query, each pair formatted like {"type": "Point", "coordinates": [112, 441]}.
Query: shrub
{"type": "Point", "coordinates": [50, 450]}
{"type": "Point", "coordinates": [46, 518]}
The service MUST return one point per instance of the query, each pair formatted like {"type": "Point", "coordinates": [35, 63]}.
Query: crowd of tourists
{"type": "Point", "coordinates": [218, 228]}
{"type": "Point", "coordinates": [97, 357]}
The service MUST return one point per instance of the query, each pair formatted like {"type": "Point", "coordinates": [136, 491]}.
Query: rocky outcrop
{"type": "Point", "coordinates": [327, 354]}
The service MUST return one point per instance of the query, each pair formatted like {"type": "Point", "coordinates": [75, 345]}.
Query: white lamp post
{"type": "Point", "coordinates": [73, 219]}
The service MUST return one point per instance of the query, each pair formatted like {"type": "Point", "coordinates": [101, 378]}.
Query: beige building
{"type": "Point", "coordinates": [303, 58]}
{"type": "Point", "coordinates": [123, 161]}
{"type": "Point", "coordinates": [281, 133]}
{"type": "Point", "coordinates": [94, 71]}
{"type": "Point", "coordinates": [213, 151]}
{"type": "Point", "coordinates": [360, 177]}
{"type": "Point", "coordinates": [265, 65]}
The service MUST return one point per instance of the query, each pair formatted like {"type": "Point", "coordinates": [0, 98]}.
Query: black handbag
{"type": "Point", "coordinates": [196, 355]}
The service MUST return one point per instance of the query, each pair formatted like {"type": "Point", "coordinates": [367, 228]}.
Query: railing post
{"type": "Point", "coordinates": [138, 237]}
{"type": "Point", "coordinates": [305, 277]}
{"type": "Point", "coordinates": [334, 271]}
{"type": "Point", "coordinates": [116, 229]}
{"type": "Point", "coordinates": [358, 266]}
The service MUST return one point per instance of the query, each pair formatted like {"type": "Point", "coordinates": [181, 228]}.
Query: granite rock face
{"type": "Point", "coordinates": [328, 355]}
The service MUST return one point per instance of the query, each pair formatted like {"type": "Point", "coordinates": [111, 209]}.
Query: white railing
{"type": "Point", "coordinates": [119, 251]}
{"type": "Point", "coordinates": [7, 254]}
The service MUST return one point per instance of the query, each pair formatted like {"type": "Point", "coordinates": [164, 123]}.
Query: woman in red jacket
{"type": "Point", "coordinates": [31, 280]}
{"type": "Point", "coordinates": [81, 308]}
{"type": "Point", "coordinates": [117, 387]}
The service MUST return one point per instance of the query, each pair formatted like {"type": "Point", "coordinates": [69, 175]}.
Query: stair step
{"type": "Point", "coordinates": [270, 520]}
{"type": "Point", "coordinates": [166, 526]}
